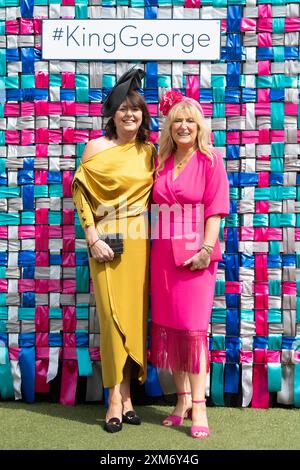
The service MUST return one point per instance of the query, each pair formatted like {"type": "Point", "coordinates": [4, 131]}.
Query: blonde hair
{"type": "Point", "coordinates": [167, 145]}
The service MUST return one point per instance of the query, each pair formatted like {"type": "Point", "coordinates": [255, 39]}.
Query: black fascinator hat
{"type": "Point", "coordinates": [130, 80]}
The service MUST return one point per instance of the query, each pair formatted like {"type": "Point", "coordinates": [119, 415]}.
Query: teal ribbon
{"type": "Point", "coordinates": [6, 379]}
{"type": "Point", "coordinates": [85, 368]}
{"type": "Point", "coordinates": [274, 377]}
{"type": "Point", "coordinates": [297, 385]}
{"type": "Point", "coordinates": [217, 384]}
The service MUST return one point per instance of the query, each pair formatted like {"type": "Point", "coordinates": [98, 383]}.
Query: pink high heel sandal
{"type": "Point", "coordinates": [197, 429]}
{"type": "Point", "coordinates": [176, 420]}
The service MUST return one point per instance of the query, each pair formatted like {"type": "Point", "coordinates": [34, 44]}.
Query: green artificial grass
{"type": "Point", "coordinates": [53, 426]}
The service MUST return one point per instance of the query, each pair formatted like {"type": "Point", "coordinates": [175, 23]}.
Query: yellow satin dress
{"type": "Point", "coordinates": [112, 190]}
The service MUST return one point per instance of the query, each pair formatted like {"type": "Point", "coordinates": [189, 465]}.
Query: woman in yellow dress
{"type": "Point", "coordinates": [111, 191]}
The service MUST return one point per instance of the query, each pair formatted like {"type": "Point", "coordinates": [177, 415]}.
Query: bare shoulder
{"type": "Point", "coordinates": [94, 146]}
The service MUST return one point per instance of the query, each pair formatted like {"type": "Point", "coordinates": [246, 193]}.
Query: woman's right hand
{"type": "Point", "coordinates": [101, 251]}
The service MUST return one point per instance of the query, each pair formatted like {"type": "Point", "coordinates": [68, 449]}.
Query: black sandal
{"type": "Point", "coordinates": [131, 418]}
{"type": "Point", "coordinates": [113, 425]}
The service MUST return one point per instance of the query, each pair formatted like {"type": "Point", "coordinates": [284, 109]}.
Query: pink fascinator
{"type": "Point", "coordinates": [173, 97]}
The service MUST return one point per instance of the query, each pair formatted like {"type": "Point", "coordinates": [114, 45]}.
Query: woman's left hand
{"type": "Point", "coordinates": [200, 260]}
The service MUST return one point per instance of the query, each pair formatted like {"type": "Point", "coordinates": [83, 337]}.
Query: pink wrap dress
{"type": "Point", "coordinates": [181, 300]}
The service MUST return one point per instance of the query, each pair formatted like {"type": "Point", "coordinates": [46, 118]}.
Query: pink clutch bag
{"type": "Point", "coordinates": [186, 246]}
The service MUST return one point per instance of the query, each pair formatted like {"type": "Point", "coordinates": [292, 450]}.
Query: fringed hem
{"type": "Point", "coordinates": [178, 350]}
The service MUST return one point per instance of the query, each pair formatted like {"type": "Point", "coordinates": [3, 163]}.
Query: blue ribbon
{"type": "Point", "coordinates": [28, 197]}
{"type": "Point", "coordinates": [152, 385]}
{"type": "Point", "coordinates": [234, 16]}
{"type": "Point", "coordinates": [27, 367]}
{"type": "Point", "coordinates": [248, 95]}
{"type": "Point", "coordinates": [26, 7]}
{"type": "Point", "coordinates": [26, 258]}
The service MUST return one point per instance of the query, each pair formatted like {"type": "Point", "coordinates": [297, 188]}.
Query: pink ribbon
{"type": "Point", "coordinates": [67, 182]}
{"type": "Point", "coordinates": [37, 23]}
{"type": "Point", "coordinates": [41, 318]}
{"type": "Point", "coordinates": [40, 177]}
{"type": "Point", "coordinates": [69, 286]}
{"type": "Point", "coordinates": [263, 179]}
{"type": "Point", "coordinates": [260, 398]}
{"type": "Point", "coordinates": [42, 238]}
{"type": "Point", "coordinates": [192, 3]}
{"type": "Point", "coordinates": [246, 357]}
{"type": "Point", "coordinates": [41, 150]}
{"type": "Point", "coordinates": [233, 287]}
{"type": "Point", "coordinates": [263, 96]}
{"type": "Point", "coordinates": [232, 109]}
{"type": "Point", "coordinates": [261, 271]}
{"type": "Point", "coordinates": [42, 339]}
{"type": "Point", "coordinates": [41, 107]}
{"type": "Point", "coordinates": [27, 137]}
{"type": "Point", "coordinates": [95, 109]}
{"type": "Point", "coordinates": [264, 67]}
{"type": "Point", "coordinates": [41, 369]}
{"type": "Point", "coordinates": [68, 108]}
{"type": "Point", "coordinates": [247, 233]}
{"type": "Point", "coordinates": [26, 231]}
{"type": "Point", "coordinates": [3, 232]}
{"type": "Point", "coordinates": [68, 219]}
{"type": "Point", "coordinates": [291, 24]}
{"type": "Point", "coordinates": [12, 137]}
{"type": "Point", "coordinates": [261, 320]}
{"type": "Point", "coordinates": [68, 260]}
{"type": "Point", "coordinates": [82, 108]}
{"type": "Point", "coordinates": [264, 39]}
{"type": "Point", "coordinates": [152, 108]}
{"type": "Point", "coordinates": [248, 24]}
{"type": "Point", "coordinates": [265, 234]}
{"type": "Point", "coordinates": [218, 355]}
{"type": "Point", "coordinates": [289, 288]}
{"type": "Point", "coordinates": [262, 207]}
{"type": "Point", "coordinates": [94, 354]}
{"type": "Point", "coordinates": [192, 87]}
{"type": "Point", "coordinates": [69, 319]}
{"type": "Point", "coordinates": [41, 216]}
{"type": "Point", "coordinates": [3, 285]}
{"type": "Point", "coordinates": [11, 110]}
{"type": "Point", "coordinates": [14, 354]}
{"type": "Point", "coordinates": [249, 137]}
{"type": "Point", "coordinates": [233, 137]}
{"type": "Point", "coordinates": [69, 377]}
{"type": "Point", "coordinates": [55, 231]}
{"type": "Point", "coordinates": [41, 79]}
{"type": "Point", "coordinates": [25, 285]}
{"type": "Point", "coordinates": [26, 26]}
{"type": "Point", "coordinates": [12, 27]}
{"type": "Point", "coordinates": [291, 109]}
{"type": "Point", "coordinates": [42, 258]}
{"type": "Point", "coordinates": [68, 80]}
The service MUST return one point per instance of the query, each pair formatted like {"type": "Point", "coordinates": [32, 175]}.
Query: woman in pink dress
{"type": "Point", "coordinates": [190, 176]}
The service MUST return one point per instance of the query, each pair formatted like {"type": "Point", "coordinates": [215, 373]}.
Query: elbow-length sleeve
{"type": "Point", "coordinates": [216, 193]}
{"type": "Point", "coordinates": [84, 211]}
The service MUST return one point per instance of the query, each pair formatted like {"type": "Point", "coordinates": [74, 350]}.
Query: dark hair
{"type": "Point", "coordinates": [135, 99]}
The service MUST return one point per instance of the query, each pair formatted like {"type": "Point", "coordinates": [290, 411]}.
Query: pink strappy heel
{"type": "Point", "coordinates": [197, 429]}
{"type": "Point", "coordinates": [176, 420]}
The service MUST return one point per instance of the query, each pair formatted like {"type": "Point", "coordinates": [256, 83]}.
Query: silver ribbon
{"type": "Point", "coordinates": [16, 375]}
{"type": "Point", "coordinates": [247, 370]}
{"type": "Point", "coordinates": [53, 364]}
{"type": "Point", "coordinates": [94, 388]}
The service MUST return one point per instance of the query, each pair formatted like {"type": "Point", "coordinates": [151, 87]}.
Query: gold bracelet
{"type": "Point", "coordinates": [206, 249]}
{"type": "Point", "coordinates": [209, 246]}
{"type": "Point", "coordinates": [90, 246]}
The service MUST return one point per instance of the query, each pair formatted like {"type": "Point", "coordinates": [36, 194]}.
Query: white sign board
{"type": "Point", "coordinates": [131, 39]}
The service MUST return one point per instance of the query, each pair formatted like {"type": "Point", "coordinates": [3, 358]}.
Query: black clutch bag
{"type": "Point", "coordinates": [113, 240]}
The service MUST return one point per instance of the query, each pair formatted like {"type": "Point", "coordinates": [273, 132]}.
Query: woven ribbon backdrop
{"type": "Point", "coordinates": [49, 333]}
